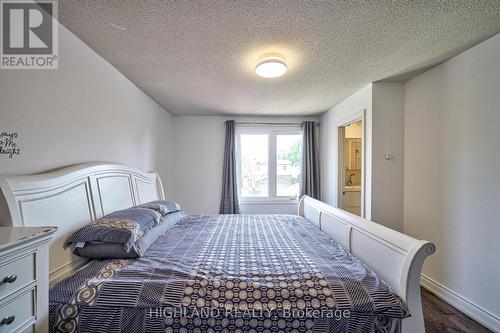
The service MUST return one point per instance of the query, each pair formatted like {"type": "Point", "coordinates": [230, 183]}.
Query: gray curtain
{"type": "Point", "coordinates": [229, 200]}
{"type": "Point", "coordinates": [309, 172]}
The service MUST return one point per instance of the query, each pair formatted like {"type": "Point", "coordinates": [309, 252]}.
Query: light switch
{"type": "Point", "coordinates": [388, 156]}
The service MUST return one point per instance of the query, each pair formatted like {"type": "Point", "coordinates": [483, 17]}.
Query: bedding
{"type": "Point", "coordinates": [163, 207]}
{"type": "Point", "coordinates": [123, 227]}
{"type": "Point", "coordinates": [117, 251]}
{"type": "Point", "coordinates": [229, 273]}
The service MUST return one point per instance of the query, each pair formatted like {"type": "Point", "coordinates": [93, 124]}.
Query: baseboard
{"type": "Point", "coordinates": [65, 270]}
{"type": "Point", "coordinates": [471, 309]}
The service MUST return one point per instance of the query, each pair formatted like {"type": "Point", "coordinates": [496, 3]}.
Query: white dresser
{"type": "Point", "coordinates": [24, 279]}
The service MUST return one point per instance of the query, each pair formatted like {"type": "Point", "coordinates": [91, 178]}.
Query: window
{"type": "Point", "coordinates": [269, 163]}
{"type": "Point", "coordinates": [254, 166]}
{"type": "Point", "coordinates": [288, 164]}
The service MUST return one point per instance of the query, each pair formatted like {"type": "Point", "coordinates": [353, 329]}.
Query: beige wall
{"type": "Point", "coordinates": [84, 111]}
{"type": "Point", "coordinates": [451, 181]}
{"type": "Point", "coordinates": [353, 131]}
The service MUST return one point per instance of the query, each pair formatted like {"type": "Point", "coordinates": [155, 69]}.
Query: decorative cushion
{"type": "Point", "coordinates": [163, 207]}
{"type": "Point", "coordinates": [123, 227]}
{"type": "Point", "coordinates": [116, 251]}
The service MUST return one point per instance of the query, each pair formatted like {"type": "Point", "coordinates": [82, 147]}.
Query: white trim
{"type": "Point", "coordinates": [272, 132]}
{"type": "Point", "coordinates": [341, 124]}
{"type": "Point", "coordinates": [272, 166]}
{"type": "Point", "coordinates": [256, 128]}
{"type": "Point", "coordinates": [283, 202]}
{"type": "Point", "coordinates": [67, 269]}
{"type": "Point", "coordinates": [340, 170]}
{"type": "Point", "coordinates": [486, 318]}
{"type": "Point", "coordinates": [352, 118]}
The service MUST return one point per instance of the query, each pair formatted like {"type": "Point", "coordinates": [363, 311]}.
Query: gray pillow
{"type": "Point", "coordinates": [123, 227]}
{"type": "Point", "coordinates": [116, 251]}
{"type": "Point", "coordinates": [163, 207]}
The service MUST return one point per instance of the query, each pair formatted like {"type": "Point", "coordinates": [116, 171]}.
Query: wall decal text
{"type": "Point", "coordinates": [8, 144]}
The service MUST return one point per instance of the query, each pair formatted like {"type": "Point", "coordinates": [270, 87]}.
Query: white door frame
{"type": "Point", "coordinates": [358, 116]}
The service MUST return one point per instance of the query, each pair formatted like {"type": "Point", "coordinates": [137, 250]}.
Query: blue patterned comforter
{"type": "Point", "coordinates": [229, 273]}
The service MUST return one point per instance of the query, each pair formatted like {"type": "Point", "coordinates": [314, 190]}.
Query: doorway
{"type": "Point", "coordinates": [351, 168]}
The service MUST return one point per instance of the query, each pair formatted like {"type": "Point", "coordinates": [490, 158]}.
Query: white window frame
{"type": "Point", "coordinates": [272, 131]}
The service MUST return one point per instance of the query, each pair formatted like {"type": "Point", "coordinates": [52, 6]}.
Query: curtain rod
{"type": "Point", "coordinates": [270, 123]}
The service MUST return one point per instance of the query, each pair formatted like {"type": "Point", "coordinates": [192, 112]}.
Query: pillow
{"type": "Point", "coordinates": [116, 251]}
{"type": "Point", "coordinates": [123, 227]}
{"type": "Point", "coordinates": [163, 207]}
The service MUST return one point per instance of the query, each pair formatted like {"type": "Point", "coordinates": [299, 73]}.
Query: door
{"type": "Point", "coordinates": [351, 170]}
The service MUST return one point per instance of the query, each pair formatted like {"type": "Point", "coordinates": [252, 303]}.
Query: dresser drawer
{"type": "Point", "coordinates": [21, 307]}
{"type": "Point", "coordinates": [16, 273]}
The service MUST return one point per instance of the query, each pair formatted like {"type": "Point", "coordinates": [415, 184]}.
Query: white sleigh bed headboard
{"type": "Point", "coordinates": [71, 197]}
{"type": "Point", "coordinates": [395, 257]}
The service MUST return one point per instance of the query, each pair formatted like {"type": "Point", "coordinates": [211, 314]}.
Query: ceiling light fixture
{"type": "Point", "coordinates": [119, 27]}
{"type": "Point", "coordinates": [271, 66]}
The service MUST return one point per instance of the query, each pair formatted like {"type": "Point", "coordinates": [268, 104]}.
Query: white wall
{"type": "Point", "coordinates": [451, 181]}
{"type": "Point", "coordinates": [198, 151]}
{"type": "Point", "coordinates": [199, 155]}
{"type": "Point", "coordinates": [339, 114]}
{"type": "Point", "coordinates": [84, 111]}
{"type": "Point", "coordinates": [387, 137]}
{"type": "Point", "coordinates": [451, 151]}
{"type": "Point", "coordinates": [382, 104]}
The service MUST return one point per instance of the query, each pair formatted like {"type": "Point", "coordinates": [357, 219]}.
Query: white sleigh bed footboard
{"type": "Point", "coordinates": [394, 256]}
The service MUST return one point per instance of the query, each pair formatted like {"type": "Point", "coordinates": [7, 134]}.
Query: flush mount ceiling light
{"type": "Point", "coordinates": [118, 27]}
{"type": "Point", "coordinates": [271, 66]}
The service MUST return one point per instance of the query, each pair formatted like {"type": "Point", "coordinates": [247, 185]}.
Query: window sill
{"type": "Point", "coordinates": [269, 202]}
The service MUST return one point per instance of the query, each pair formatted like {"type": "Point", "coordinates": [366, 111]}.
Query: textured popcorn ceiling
{"type": "Point", "coordinates": [198, 57]}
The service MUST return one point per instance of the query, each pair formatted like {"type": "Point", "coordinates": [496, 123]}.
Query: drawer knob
{"type": "Point", "coordinates": [8, 320]}
{"type": "Point", "coordinates": [10, 279]}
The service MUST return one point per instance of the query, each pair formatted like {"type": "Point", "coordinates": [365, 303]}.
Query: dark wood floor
{"type": "Point", "coordinates": [441, 317]}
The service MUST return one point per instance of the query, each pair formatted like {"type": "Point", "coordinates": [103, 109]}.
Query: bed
{"type": "Point", "coordinates": [349, 273]}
